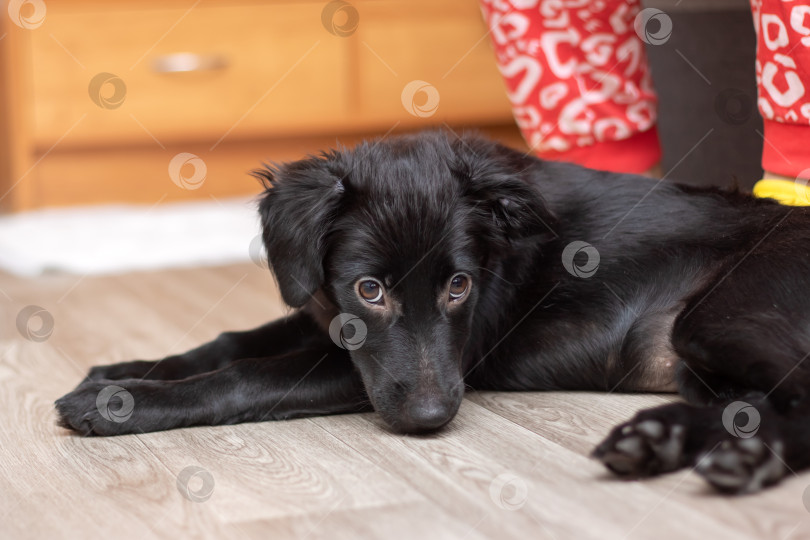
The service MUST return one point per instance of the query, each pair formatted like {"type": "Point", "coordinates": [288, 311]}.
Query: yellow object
{"type": "Point", "coordinates": [783, 191]}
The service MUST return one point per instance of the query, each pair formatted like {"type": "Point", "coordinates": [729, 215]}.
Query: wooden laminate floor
{"type": "Point", "coordinates": [509, 466]}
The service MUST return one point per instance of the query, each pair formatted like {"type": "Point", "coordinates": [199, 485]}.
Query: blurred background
{"type": "Point", "coordinates": [128, 129]}
{"type": "Point", "coordinates": [101, 97]}
{"type": "Point", "coordinates": [156, 101]}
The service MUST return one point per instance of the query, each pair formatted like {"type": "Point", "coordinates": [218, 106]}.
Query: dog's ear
{"type": "Point", "coordinates": [496, 180]}
{"type": "Point", "coordinates": [297, 209]}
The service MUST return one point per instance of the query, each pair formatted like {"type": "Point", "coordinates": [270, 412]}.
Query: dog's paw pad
{"type": "Point", "coordinates": [743, 465]}
{"type": "Point", "coordinates": [642, 448]}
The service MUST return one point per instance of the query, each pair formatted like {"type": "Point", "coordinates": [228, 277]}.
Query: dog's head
{"type": "Point", "coordinates": [401, 237]}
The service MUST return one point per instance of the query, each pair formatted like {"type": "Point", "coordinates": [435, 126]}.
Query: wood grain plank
{"type": "Point", "coordinates": [460, 465]}
{"type": "Point", "coordinates": [407, 520]}
{"type": "Point", "coordinates": [271, 470]}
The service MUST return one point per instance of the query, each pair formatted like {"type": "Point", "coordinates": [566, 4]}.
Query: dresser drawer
{"type": "Point", "coordinates": [263, 69]}
{"type": "Point", "coordinates": [443, 44]}
{"type": "Point", "coordinates": [103, 95]}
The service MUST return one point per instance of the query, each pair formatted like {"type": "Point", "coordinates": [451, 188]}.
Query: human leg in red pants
{"type": "Point", "coordinates": [577, 76]}
{"type": "Point", "coordinates": [783, 80]}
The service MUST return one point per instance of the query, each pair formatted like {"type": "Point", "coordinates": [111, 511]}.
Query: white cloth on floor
{"type": "Point", "coordinates": [114, 239]}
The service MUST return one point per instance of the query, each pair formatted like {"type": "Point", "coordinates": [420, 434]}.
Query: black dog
{"type": "Point", "coordinates": [425, 264]}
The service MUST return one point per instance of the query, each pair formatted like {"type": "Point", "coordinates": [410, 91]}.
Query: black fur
{"type": "Point", "coordinates": [696, 290]}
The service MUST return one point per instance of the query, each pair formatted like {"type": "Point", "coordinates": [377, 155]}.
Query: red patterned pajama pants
{"type": "Point", "coordinates": [577, 76]}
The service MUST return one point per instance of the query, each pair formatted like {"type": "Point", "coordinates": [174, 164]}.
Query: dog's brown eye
{"type": "Point", "coordinates": [370, 291]}
{"type": "Point", "coordinates": [458, 286]}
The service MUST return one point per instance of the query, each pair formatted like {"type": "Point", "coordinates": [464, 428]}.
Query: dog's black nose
{"type": "Point", "coordinates": [428, 416]}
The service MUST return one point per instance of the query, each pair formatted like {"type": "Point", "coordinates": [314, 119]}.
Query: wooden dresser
{"type": "Point", "coordinates": [98, 98]}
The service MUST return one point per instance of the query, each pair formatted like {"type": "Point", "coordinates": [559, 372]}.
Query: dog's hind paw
{"type": "Point", "coordinates": [743, 465]}
{"type": "Point", "coordinates": [643, 447]}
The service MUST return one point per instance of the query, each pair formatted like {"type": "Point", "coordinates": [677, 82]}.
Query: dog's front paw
{"type": "Point", "coordinates": [643, 447]}
{"type": "Point", "coordinates": [96, 408]}
{"type": "Point", "coordinates": [743, 465]}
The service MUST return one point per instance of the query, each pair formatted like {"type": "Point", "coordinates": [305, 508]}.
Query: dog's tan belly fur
{"type": "Point", "coordinates": [656, 371]}
{"type": "Point", "coordinates": [658, 375]}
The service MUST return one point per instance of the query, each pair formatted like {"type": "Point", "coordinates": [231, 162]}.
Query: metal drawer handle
{"type": "Point", "coordinates": [187, 62]}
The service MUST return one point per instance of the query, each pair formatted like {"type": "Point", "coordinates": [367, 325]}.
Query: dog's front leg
{"type": "Point", "coordinates": [308, 382]}
{"type": "Point", "coordinates": [271, 339]}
